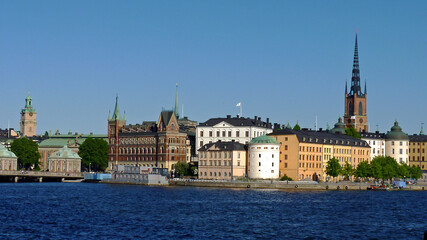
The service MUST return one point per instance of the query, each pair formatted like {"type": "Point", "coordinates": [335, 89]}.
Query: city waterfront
{"type": "Point", "coordinates": [104, 211]}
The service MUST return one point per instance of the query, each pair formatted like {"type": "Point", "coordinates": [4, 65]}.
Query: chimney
{"type": "Point", "coordinates": [259, 118]}
{"type": "Point", "coordinates": [255, 118]}
{"type": "Point", "coordinates": [320, 129]}
{"type": "Point", "coordinates": [228, 116]}
{"type": "Point", "coordinates": [268, 121]}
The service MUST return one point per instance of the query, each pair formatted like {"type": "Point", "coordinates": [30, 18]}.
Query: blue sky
{"type": "Point", "coordinates": [286, 60]}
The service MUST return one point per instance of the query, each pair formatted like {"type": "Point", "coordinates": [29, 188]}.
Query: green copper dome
{"type": "Point", "coordinates": [396, 133]}
{"type": "Point", "coordinates": [4, 153]}
{"type": "Point", "coordinates": [339, 127]}
{"type": "Point", "coordinates": [65, 152]}
{"type": "Point", "coordinates": [264, 139]}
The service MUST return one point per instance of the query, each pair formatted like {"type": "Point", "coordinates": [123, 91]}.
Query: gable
{"type": "Point", "coordinates": [223, 124]}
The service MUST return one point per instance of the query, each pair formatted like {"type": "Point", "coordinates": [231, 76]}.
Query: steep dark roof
{"type": "Point", "coordinates": [237, 121]}
{"type": "Point", "coordinates": [376, 135]}
{"type": "Point", "coordinates": [418, 138]}
{"type": "Point", "coordinates": [224, 146]}
{"type": "Point", "coordinates": [166, 116]}
{"type": "Point", "coordinates": [322, 137]}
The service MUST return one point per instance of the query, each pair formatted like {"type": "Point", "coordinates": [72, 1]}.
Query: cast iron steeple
{"type": "Point", "coordinates": [355, 77]}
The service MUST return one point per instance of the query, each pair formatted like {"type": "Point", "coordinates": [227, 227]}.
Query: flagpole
{"type": "Point", "coordinates": [240, 110]}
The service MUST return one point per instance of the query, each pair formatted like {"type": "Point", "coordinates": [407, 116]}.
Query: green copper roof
{"type": "Point", "coordinates": [65, 152]}
{"type": "Point", "coordinates": [339, 127]}
{"type": "Point", "coordinates": [396, 133]}
{"type": "Point", "coordinates": [4, 153]}
{"type": "Point", "coordinates": [66, 139]}
{"type": "Point", "coordinates": [116, 114]}
{"type": "Point", "coordinates": [28, 105]}
{"type": "Point", "coordinates": [263, 139]}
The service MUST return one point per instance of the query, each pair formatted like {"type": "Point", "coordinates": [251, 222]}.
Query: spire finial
{"type": "Point", "coordinates": [116, 114]}
{"type": "Point", "coordinates": [176, 103]}
{"type": "Point", "coordinates": [345, 86]}
{"type": "Point", "coordinates": [422, 129]}
{"type": "Point", "coordinates": [365, 87]}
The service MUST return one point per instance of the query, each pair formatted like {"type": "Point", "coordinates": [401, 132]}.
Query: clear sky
{"type": "Point", "coordinates": [286, 60]}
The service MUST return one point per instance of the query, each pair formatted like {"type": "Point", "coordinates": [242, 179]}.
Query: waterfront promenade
{"type": "Point", "coordinates": [289, 185]}
{"type": "Point", "coordinates": [40, 176]}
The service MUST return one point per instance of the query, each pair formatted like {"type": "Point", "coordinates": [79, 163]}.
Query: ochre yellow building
{"type": "Point", "coordinates": [418, 151]}
{"type": "Point", "coordinates": [305, 154]}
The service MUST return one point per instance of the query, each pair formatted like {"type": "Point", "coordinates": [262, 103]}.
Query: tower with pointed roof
{"type": "Point", "coordinates": [115, 124]}
{"type": "Point", "coordinates": [28, 118]}
{"type": "Point", "coordinates": [355, 100]}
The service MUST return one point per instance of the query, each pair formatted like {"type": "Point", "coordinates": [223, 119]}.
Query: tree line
{"type": "Point", "coordinates": [380, 168]}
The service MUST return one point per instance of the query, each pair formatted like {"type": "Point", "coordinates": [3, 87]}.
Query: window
{"type": "Point", "coordinates": [225, 163]}
{"type": "Point", "coordinates": [215, 174]}
{"type": "Point", "coordinates": [392, 151]}
{"type": "Point", "coordinates": [259, 155]}
{"type": "Point", "coordinates": [286, 157]}
{"type": "Point", "coordinates": [400, 143]}
{"type": "Point", "coordinates": [400, 151]}
{"type": "Point", "coordinates": [229, 133]}
{"type": "Point", "coordinates": [272, 155]}
{"type": "Point", "coordinates": [218, 134]}
{"type": "Point", "coordinates": [237, 134]}
{"type": "Point", "coordinates": [201, 133]}
{"type": "Point", "coordinates": [210, 133]}
{"type": "Point", "coordinates": [225, 174]}
{"type": "Point", "coordinates": [272, 164]}
{"type": "Point", "coordinates": [286, 165]}
{"type": "Point", "coordinates": [286, 147]}
{"type": "Point", "coordinates": [286, 138]}
{"type": "Point", "coordinates": [259, 164]}
{"type": "Point", "coordinates": [211, 174]}
{"type": "Point", "coordinates": [223, 133]}
{"type": "Point", "coordinates": [238, 163]}
{"type": "Point", "coordinates": [392, 143]}
{"type": "Point", "coordinates": [219, 174]}
{"type": "Point", "coordinates": [201, 143]}
{"type": "Point", "coordinates": [272, 171]}
{"type": "Point", "coordinates": [247, 134]}
{"type": "Point", "coordinates": [219, 163]}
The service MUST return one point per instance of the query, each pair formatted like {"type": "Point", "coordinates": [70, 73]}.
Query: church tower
{"type": "Point", "coordinates": [28, 118]}
{"type": "Point", "coordinates": [355, 101]}
{"type": "Point", "coordinates": [115, 124]}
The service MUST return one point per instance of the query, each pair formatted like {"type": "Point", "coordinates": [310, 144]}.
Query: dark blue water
{"type": "Point", "coordinates": [101, 211]}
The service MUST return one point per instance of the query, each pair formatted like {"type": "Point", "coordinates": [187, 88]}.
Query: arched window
{"type": "Point", "coordinates": [360, 109]}
{"type": "Point", "coordinates": [350, 108]}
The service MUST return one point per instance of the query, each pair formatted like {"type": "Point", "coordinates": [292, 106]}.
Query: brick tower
{"type": "Point", "coordinates": [355, 101]}
{"type": "Point", "coordinates": [28, 118]}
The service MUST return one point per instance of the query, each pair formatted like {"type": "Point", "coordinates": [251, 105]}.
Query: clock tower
{"type": "Point", "coordinates": [28, 118]}
{"type": "Point", "coordinates": [355, 101]}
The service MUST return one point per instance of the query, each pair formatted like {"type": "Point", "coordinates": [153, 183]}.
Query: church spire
{"type": "Point", "coordinates": [365, 88]}
{"type": "Point", "coordinates": [355, 77]}
{"type": "Point", "coordinates": [116, 114]}
{"type": "Point", "coordinates": [176, 103]}
{"type": "Point", "coordinates": [346, 87]}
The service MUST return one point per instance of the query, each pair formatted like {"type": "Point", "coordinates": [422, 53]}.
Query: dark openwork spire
{"type": "Point", "coordinates": [346, 87]}
{"type": "Point", "coordinates": [355, 77]}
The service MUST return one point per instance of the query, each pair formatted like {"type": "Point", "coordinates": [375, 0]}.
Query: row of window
{"type": "Point", "coordinates": [217, 163]}
{"type": "Point", "coordinates": [309, 165]}
{"type": "Point", "coordinates": [145, 158]}
{"type": "Point", "coordinates": [215, 155]}
{"type": "Point", "coordinates": [418, 158]}
{"type": "Point", "coordinates": [400, 151]}
{"type": "Point", "coordinates": [148, 140]}
{"type": "Point", "coordinates": [215, 174]}
{"type": "Point", "coordinates": [418, 150]}
{"type": "Point", "coordinates": [228, 133]}
{"type": "Point", "coordinates": [400, 143]}
{"type": "Point", "coordinates": [179, 150]}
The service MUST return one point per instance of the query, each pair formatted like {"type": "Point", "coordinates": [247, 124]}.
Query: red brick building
{"type": "Point", "coordinates": [150, 144]}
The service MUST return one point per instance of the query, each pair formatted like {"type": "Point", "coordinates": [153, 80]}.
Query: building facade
{"type": "Point", "coordinates": [418, 151]}
{"type": "Point", "coordinates": [356, 101]}
{"type": "Point", "coordinates": [377, 142]}
{"type": "Point", "coordinates": [65, 160]}
{"type": "Point", "coordinates": [222, 160]}
{"type": "Point", "coordinates": [28, 118]}
{"type": "Point", "coordinates": [397, 144]}
{"type": "Point", "coordinates": [304, 154]}
{"type": "Point", "coordinates": [55, 142]}
{"type": "Point", "coordinates": [150, 144]}
{"type": "Point", "coordinates": [228, 129]}
{"type": "Point", "coordinates": [8, 160]}
{"type": "Point", "coordinates": [263, 160]}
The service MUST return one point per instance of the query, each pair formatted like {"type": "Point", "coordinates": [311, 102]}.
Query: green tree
{"type": "Point", "coordinates": [384, 168]}
{"type": "Point", "coordinates": [347, 170]}
{"type": "Point", "coordinates": [363, 170]}
{"type": "Point", "coordinates": [182, 168]}
{"type": "Point", "coordinates": [334, 168]}
{"type": "Point", "coordinates": [286, 178]}
{"type": "Point", "coordinates": [415, 172]}
{"type": "Point", "coordinates": [352, 132]}
{"type": "Point", "coordinates": [403, 170]}
{"type": "Point", "coordinates": [27, 152]}
{"type": "Point", "coordinates": [94, 153]}
{"type": "Point", "coordinates": [46, 135]}
{"type": "Point", "coordinates": [297, 127]}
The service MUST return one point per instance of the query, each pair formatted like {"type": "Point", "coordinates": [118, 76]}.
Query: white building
{"type": "Point", "coordinates": [397, 144]}
{"type": "Point", "coordinates": [263, 160]}
{"type": "Point", "coordinates": [376, 141]}
{"type": "Point", "coordinates": [8, 160]}
{"type": "Point", "coordinates": [64, 160]}
{"type": "Point", "coordinates": [239, 129]}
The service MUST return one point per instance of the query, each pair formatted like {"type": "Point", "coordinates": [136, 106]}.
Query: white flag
{"type": "Point", "coordinates": [239, 104]}
{"type": "Point", "coordinates": [353, 117]}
